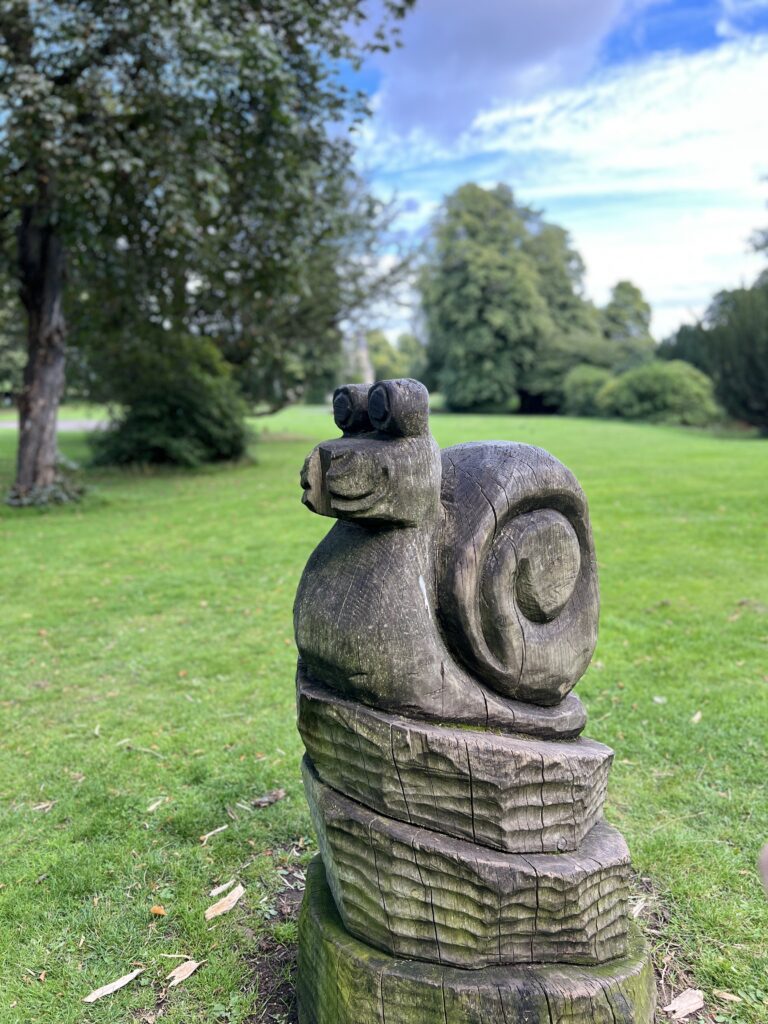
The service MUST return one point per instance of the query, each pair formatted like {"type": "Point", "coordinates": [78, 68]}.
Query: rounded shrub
{"type": "Point", "coordinates": [661, 392]}
{"type": "Point", "coordinates": [180, 407]}
{"type": "Point", "coordinates": [580, 389]}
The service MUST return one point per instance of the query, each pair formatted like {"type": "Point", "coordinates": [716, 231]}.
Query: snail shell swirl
{"type": "Point", "coordinates": [517, 580]}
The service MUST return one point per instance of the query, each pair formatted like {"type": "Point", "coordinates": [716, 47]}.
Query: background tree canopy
{"type": "Point", "coordinates": [731, 346]}
{"type": "Point", "coordinates": [184, 168]}
{"type": "Point", "coordinates": [506, 316]}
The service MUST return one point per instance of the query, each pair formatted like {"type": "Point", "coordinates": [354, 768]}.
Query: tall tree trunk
{"type": "Point", "coordinates": [41, 273]}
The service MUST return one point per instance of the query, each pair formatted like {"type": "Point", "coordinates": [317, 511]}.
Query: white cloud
{"type": "Point", "coordinates": [456, 56]}
{"type": "Point", "coordinates": [734, 14]}
{"type": "Point", "coordinates": [654, 167]}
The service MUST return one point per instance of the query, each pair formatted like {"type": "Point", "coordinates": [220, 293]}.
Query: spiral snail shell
{"type": "Point", "coordinates": [516, 575]}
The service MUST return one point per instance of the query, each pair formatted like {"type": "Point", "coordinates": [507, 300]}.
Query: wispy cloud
{"type": "Point", "coordinates": [737, 16]}
{"type": "Point", "coordinates": [654, 166]}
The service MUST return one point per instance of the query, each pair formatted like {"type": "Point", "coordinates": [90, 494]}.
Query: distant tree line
{"type": "Point", "coordinates": [730, 345]}
{"type": "Point", "coordinates": [505, 312]}
{"type": "Point", "coordinates": [508, 328]}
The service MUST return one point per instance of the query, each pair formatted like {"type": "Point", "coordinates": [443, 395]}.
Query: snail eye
{"type": "Point", "coordinates": [350, 408]}
{"type": "Point", "coordinates": [342, 409]}
{"type": "Point", "coordinates": [378, 407]}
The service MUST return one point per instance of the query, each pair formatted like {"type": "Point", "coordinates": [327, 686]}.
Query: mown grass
{"type": "Point", "coordinates": [70, 411]}
{"type": "Point", "coordinates": [147, 654]}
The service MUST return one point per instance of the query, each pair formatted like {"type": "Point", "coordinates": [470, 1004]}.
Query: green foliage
{"type": "Point", "coordinates": [11, 343]}
{"type": "Point", "coordinates": [561, 276]}
{"type": "Point", "coordinates": [388, 362]}
{"type": "Point", "coordinates": [581, 387]}
{"type": "Point", "coordinates": [480, 291]}
{"type": "Point", "coordinates": [559, 353]}
{"type": "Point", "coordinates": [407, 358]}
{"type": "Point", "coordinates": [506, 317]}
{"type": "Point", "coordinates": [731, 346]}
{"type": "Point", "coordinates": [194, 162]}
{"type": "Point", "coordinates": [414, 354]}
{"type": "Point", "coordinates": [661, 392]}
{"type": "Point", "coordinates": [737, 353]}
{"type": "Point", "coordinates": [180, 407]}
{"type": "Point", "coordinates": [627, 317]}
{"type": "Point", "coordinates": [689, 343]}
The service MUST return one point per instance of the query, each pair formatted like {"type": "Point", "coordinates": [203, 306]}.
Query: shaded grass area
{"type": "Point", "coordinates": [148, 656]}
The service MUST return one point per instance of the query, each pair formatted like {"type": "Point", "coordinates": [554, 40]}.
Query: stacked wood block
{"type": "Point", "coordinates": [466, 873]}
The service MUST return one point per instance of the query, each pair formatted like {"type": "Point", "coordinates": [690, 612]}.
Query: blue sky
{"type": "Point", "coordinates": [641, 126]}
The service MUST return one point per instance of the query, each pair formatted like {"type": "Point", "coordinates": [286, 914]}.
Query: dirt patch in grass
{"type": "Point", "coordinates": [274, 967]}
{"type": "Point", "coordinates": [673, 976]}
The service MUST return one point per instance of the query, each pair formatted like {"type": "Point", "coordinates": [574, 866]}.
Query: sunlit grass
{"type": "Point", "coordinates": [148, 655]}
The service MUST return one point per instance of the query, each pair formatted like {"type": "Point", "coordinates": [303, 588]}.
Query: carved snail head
{"type": "Point", "coordinates": [386, 467]}
{"type": "Point", "coordinates": [517, 579]}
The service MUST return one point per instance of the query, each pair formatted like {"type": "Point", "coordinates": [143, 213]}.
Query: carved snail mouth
{"type": "Point", "coordinates": [354, 485]}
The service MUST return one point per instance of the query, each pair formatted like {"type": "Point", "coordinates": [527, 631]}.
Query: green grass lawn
{"type": "Point", "coordinates": [148, 663]}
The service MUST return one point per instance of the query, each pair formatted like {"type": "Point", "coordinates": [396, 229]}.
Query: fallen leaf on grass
{"type": "Point", "coordinates": [214, 832]}
{"type": "Point", "coordinates": [659, 700]}
{"type": "Point", "coordinates": [183, 971]}
{"type": "Point", "coordinates": [113, 986]}
{"type": "Point", "coordinates": [158, 911]}
{"type": "Point", "coordinates": [686, 1003]}
{"type": "Point", "coordinates": [222, 888]}
{"type": "Point", "coordinates": [729, 997]}
{"type": "Point", "coordinates": [44, 807]}
{"type": "Point", "coordinates": [696, 718]}
{"type": "Point", "coordinates": [155, 804]}
{"type": "Point", "coordinates": [763, 865]}
{"type": "Point", "coordinates": [225, 904]}
{"type": "Point", "coordinates": [269, 798]}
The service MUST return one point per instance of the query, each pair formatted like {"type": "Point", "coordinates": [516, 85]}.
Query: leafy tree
{"type": "Point", "coordinates": [484, 311]}
{"type": "Point", "coordinates": [581, 387]}
{"type": "Point", "coordinates": [688, 343]}
{"type": "Point", "coordinates": [627, 316]}
{"type": "Point", "coordinates": [506, 316]}
{"type": "Point", "coordinates": [414, 355]}
{"type": "Point", "coordinates": [11, 348]}
{"type": "Point", "coordinates": [388, 362]}
{"type": "Point", "coordinates": [661, 392]}
{"type": "Point", "coordinates": [561, 276]}
{"type": "Point", "coordinates": [736, 344]}
{"type": "Point", "coordinates": [156, 152]}
{"type": "Point", "coordinates": [179, 406]}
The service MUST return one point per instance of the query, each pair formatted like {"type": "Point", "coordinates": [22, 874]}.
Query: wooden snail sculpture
{"type": "Point", "coordinates": [441, 625]}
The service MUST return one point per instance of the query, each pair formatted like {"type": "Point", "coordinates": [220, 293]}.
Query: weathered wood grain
{"type": "Point", "coordinates": [344, 981]}
{"type": "Point", "coordinates": [514, 793]}
{"type": "Point", "coordinates": [416, 893]}
{"type": "Point", "coordinates": [516, 569]}
{"type": "Point", "coordinates": [453, 586]}
{"type": "Point", "coordinates": [441, 625]}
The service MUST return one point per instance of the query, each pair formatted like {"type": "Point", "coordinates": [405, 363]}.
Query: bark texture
{"type": "Point", "coordinates": [41, 267]}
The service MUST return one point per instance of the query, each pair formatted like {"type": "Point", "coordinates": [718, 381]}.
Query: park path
{"type": "Point", "coordinates": [64, 425]}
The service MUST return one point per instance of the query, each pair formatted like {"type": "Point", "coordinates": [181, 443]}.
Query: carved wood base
{"type": "Point", "coordinates": [344, 981]}
{"type": "Point", "coordinates": [416, 893]}
{"type": "Point", "coordinates": [513, 793]}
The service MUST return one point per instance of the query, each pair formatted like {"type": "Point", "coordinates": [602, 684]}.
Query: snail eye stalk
{"type": "Point", "coordinates": [350, 409]}
{"type": "Point", "coordinates": [399, 407]}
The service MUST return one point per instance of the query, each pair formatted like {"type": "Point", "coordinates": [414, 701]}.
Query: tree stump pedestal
{"type": "Point", "coordinates": [345, 981]}
{"type": "Point", "coordinates": [466, 874]}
